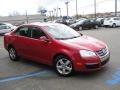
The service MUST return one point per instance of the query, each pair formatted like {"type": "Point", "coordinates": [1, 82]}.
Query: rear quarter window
{"type": "Point", "coordinates": [116, 18]}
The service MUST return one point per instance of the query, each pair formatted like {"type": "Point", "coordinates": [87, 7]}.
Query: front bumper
{"type": "Point", "coordinates": [92, 64]}
{"type": "Point", "coordinates": [96, 65]}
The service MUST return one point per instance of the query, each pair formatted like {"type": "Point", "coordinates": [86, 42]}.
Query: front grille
{"type": "Point", "coordinates": [104, 62]}
{"type": "Point", "coordinates": [103, 52]}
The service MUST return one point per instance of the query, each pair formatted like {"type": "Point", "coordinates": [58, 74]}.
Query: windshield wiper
{"type": "Point", "coordinates": [67, 38]}
{"type": "Point", "coordinates": [74, 37]}
{"type": "Point", "coordinates": [61, 38]}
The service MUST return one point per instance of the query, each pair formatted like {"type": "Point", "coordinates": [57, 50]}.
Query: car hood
{"type": "Point", "coordinates": [85, 42]}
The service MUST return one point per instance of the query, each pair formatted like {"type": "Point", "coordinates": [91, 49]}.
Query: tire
{"type": "Point", "coordinates": [63, 66]}
{"type": "Point", "coordinates": [96, 26]}
{"type": "Point", "coordinates": [80, 28]}
{"type": "Point", "coordinates": [114, 25]}
{"type": "Point", "coordinates": [12, 54]}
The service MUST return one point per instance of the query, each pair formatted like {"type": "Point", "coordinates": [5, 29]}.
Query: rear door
{"type": "Point", "coordinates": [21, 43]}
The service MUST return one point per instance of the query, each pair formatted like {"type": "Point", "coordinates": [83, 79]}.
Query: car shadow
{"type": "Point", "coordinates": [91, 75]}
{"type": "Point", "coordinates": [83, 75]}
{"type": "Point", "coordinates": [35, 64]}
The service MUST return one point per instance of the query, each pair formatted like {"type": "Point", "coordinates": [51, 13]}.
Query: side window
{"type": "Point", "coordinates": [3, 27]}
{"type": "Point", "coordinates": [87, 22]}
{"type": "Point", "coordinates": [116, 18]}
{"type": "Point", "coordinates": [36, 33]}
{"type": "Point", "coordinates": [24, 31]}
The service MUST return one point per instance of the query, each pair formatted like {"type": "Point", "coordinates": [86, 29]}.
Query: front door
{"type": "Point", "coordinates": [39, 50]}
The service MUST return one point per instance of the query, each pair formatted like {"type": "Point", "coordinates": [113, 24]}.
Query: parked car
{"type": "Point", "coordinates": [84, 24]}
{"type": "Point", "coordinates": [57, 21]}
{"type": "Point", "coordinates": [67, 20]}
{"type": "Point", "coordinates": [57, 45]}
{"type": "Point", "coordinates": [64, 21]}
{"type": "Point", "coordinates": [112, 22]}
{"type": "Point", "coordinates": [96, 23]}
{"type": "Point", "coordinates": [100, 20]}
{"type": "Point", "coordinates": [6, 27]}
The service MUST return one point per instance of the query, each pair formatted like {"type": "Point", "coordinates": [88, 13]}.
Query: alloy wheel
{"type": "Point", "coordinates": [64, 66]}
{"type": "Point", "coordinates": [12, 54]}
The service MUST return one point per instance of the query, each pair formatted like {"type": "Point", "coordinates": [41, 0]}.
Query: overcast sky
{"type": "Point", "coordinates": [84, 6]}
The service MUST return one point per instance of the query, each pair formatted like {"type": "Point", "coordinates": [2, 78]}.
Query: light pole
{"type": "Point", "coordinates": [67, 7]}
{"type": "Point", "coordinates": [115, 7]}
{"type": "Point", "coordinates": [95, 8]}
{"type": "Point", "coordinates": [57, 9]}
{"type": "Point", "coordinates": [54, 13]}
{"type": "Point", "coordinates": [26, 14]}
{"type": "Point", "coordinates": [57, 12]}
{"type": "Point", "coordinates": [76, 10]}
{"type": "Point", "coordinates": [60, 11]}
{"type": "Point", "coordinates": [50, 12]}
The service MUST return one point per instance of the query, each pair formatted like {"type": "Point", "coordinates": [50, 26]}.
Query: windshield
{"type": "Point", "coordinates": [79, 22]}
{"type": "Point", "coordinates": [59, 31]}
{"type": "Point", "coordinates": [108, 19]}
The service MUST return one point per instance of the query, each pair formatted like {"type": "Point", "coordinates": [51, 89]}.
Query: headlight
{"type": "Point", "coordinates": [86, 53]}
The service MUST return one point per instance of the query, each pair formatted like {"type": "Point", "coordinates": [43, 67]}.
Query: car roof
{"type": "Point", "coordinates": [43, 24]}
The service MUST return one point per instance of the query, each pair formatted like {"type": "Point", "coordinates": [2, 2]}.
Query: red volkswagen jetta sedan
{"type": "Point", "coordinates": [57, 45]}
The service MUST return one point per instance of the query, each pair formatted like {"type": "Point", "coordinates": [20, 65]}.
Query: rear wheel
{"type": "Point", "coordinates": [12, 54]}
{"type": "Point", "coordinates": [63, 66]}
{"type": "Point", "coordinates": [114, 25]}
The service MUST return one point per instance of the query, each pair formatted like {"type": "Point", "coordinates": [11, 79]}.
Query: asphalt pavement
{"type": "Point", "coordinates": [28, 75]}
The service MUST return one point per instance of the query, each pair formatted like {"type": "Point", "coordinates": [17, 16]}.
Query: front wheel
{"type": "Point", "coordinates": [63, 66]}
{"type": "Point", "coordinates": [96, 26]}
{"type": "Point", "coordinates": [80, 28]}
{"type": "Point", "coordinates": [12, 54]}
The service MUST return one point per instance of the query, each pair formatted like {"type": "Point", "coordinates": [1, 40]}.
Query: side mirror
{"type": "Point", "coordinates": [44, 39]}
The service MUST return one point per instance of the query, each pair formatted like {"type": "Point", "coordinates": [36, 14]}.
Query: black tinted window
{"type": "Point", "coordinates": [116, 18]}
{"type": "Point", "coordinates": [87, 22]}
{"type": "Point", "coordinates": [37, 33]}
